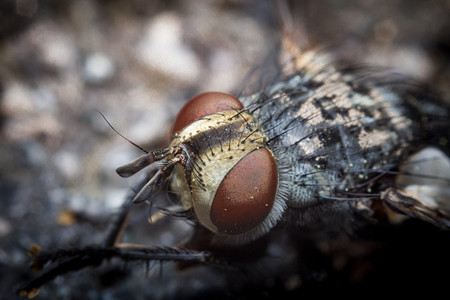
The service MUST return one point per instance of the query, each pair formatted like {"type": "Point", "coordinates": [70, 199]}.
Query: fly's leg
{"type": "Point", "coordinates": [65, 261]}
{"type": "Point", "coordinates": [115, 230]}
{"type": "Point", "coordinates": [69, 260]}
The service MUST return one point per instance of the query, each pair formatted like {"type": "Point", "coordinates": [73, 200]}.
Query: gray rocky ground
{"type": "Point", "coordinates": [137, 62]}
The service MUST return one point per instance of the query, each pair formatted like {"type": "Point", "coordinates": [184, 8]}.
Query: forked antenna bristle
{"type": "Point", "coordinates": [132, 143]}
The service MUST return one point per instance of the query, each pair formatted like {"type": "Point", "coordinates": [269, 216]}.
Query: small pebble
{"type": "Point", "coordinates": [67, 163]}
{"type": "Point", "coordinates": [98, 69]}
{"type": "Point", "coordinates": [161, 49]}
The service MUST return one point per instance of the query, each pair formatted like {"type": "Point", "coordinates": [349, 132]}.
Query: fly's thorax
{"type": "Point", "coordinates": [229, 177]}
{"type": "Point", "coordinates": [332, 134]}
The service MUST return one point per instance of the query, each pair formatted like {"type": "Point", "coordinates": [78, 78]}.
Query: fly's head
{"type": "Point", "coordinates": [220, 166]}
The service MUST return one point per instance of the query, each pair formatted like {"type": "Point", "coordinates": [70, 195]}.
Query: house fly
{"type": "Point", "coordinates": [324, 151]}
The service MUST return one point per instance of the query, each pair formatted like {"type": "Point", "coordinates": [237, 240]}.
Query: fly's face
{"type": "Point", "coordinates": [229, 178]}
{"type": "Point", "coordinates": [220, 166]}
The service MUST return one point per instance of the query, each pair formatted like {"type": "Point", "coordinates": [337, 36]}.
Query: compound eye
{"type": "Point", "coordinates": [203, 105]}
{"type": "Point", "coordinates": [246, 195]}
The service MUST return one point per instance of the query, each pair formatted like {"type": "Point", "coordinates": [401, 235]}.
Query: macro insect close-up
{"type": "Point", "coordinates": [226, 149]}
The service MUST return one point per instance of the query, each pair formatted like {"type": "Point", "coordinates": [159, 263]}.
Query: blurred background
{"type": "Point", "coordinates": [138, 61]}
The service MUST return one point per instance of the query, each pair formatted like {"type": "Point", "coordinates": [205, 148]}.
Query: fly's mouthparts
{"type": "Point", "coordinates": [165, 168]}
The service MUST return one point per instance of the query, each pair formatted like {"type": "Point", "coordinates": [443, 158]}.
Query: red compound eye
{"type": "Point", "coordinates": [246, 195]}
{"type": "Point", "coordinates": [203, 105]}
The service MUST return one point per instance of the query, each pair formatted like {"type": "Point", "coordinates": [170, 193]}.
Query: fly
{"type": "Point", "coordinates": [320, 150]}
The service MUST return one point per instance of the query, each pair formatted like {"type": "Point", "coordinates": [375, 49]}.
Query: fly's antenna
{"type": "Point", "coordinates": [121, 135]}
{"type": "Point", "coordinates": [141, 162]}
